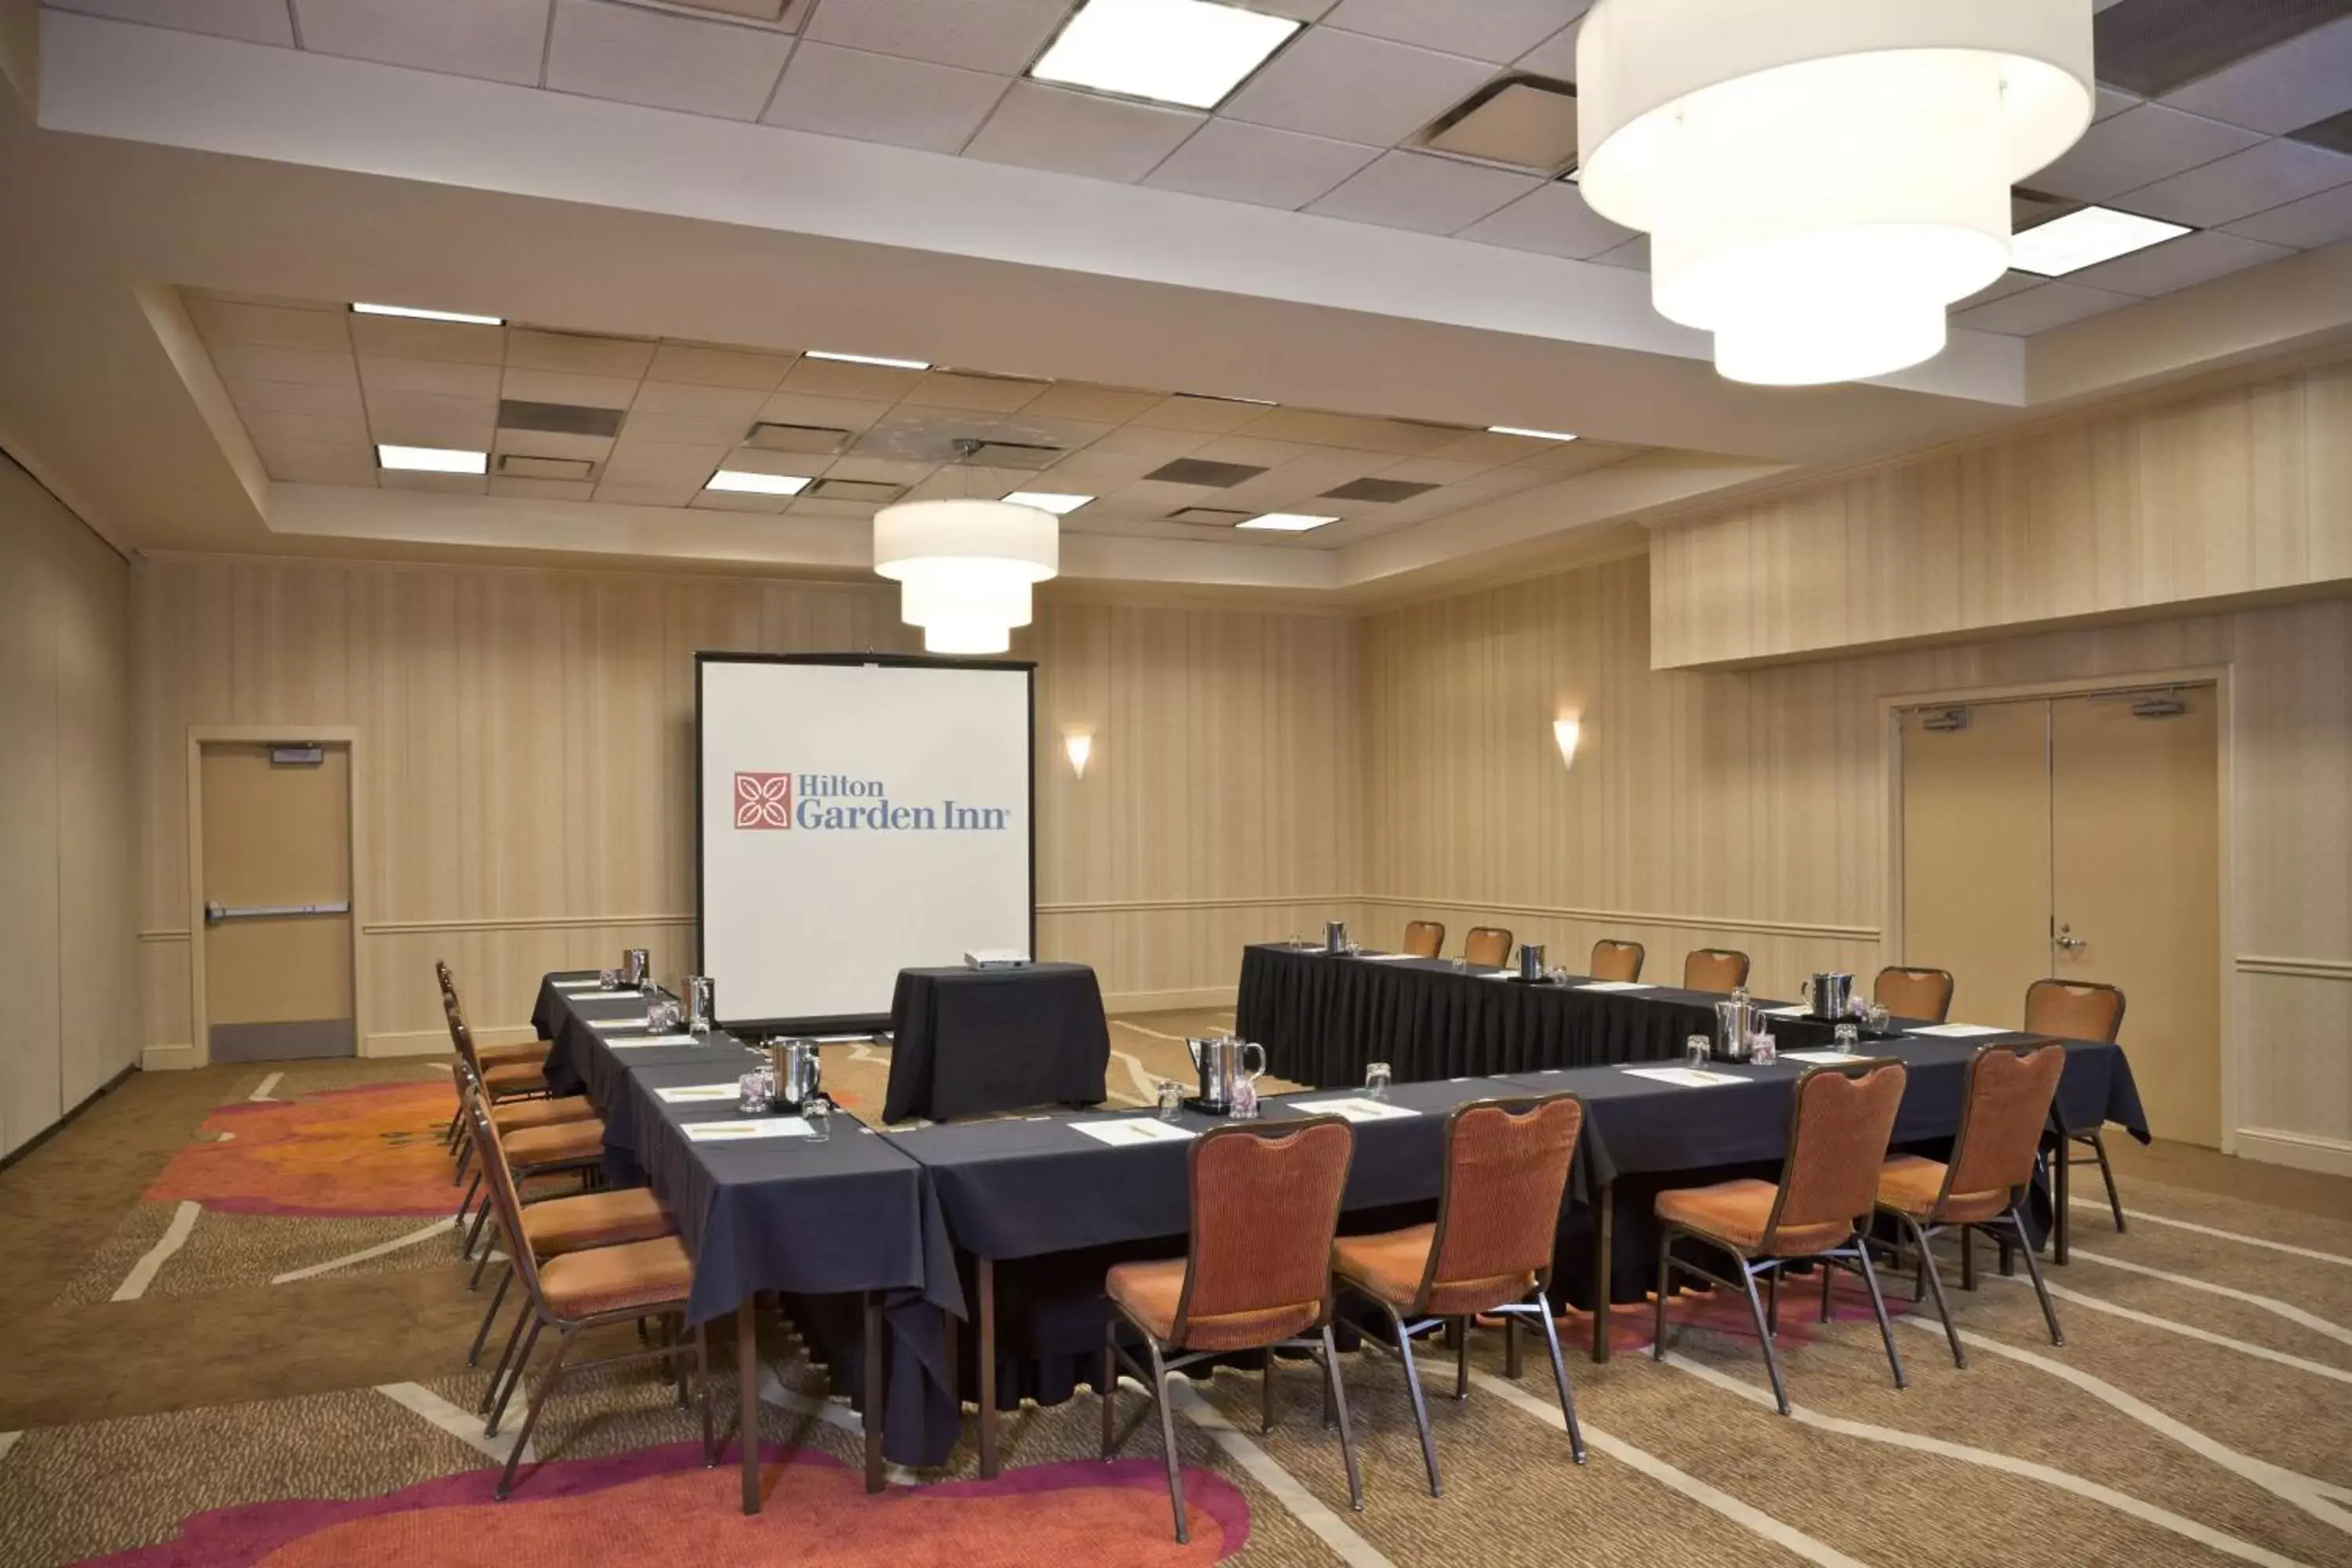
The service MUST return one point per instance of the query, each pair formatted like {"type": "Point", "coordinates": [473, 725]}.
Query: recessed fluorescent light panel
{"type": "Point", "coordinates": [869, 359]}
{"type": "Point", "coordinates": [432, 459]}
{"type": "Point", "coordinates": [742, 482]}
{"type": "Point", "coordinates": [416, 314]}
{"type": "Point", "coordinates": [1049, 500]}
{"type": "Point", "coordinates": [1189, 52]}
{"type": "Point", "coordinates": [2086, 237]}
{"type": "Point", "coordinates": [1530, 435]}
{"type": "Point", "coordinates": [1285, 522]}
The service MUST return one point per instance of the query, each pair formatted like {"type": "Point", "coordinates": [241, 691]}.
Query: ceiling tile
{"type": "Point", "coordinates": [2038, 309]}
{"type": "Point", "coordinates": [553, 443]}
{"type": "Point", "coordinates": [1240, 163]}
{"type": "Point", "coordinates": [1560, 458]}
{"type": "Point", "coordinates": [2177, 264]}
{"type": "Point", "coordinates": [1431, 471]}
{"type": "Point", "coordinates": [1489, 30]}
{"type": "Point", "coordinates": [736, 500]}
{"type": "Point", "coordinates": [667, 397]}
{"type": "Point", "coordinates": [293, 397]}
{"type": "Point", "coordinates": [1414, 190]}
{"type": "Point", "coordinates": [424, 419]}
{"type": "Point", "coordinates": [833, 378]}
{"type": "Point", "coordinates": [2002, 287]}
{"type": "Point", "coordinates": [401, 337]}
{"type": "Point", "coordinates": [1354, 88]}
{"type": "Point", "coordinates": [322, 428]}
{"type": "Point", "coordinates": [987, 393]}
{"type": "Point", "coordinates": [667, 61]}
{"type": "Point", "coordinates": [1141, 440]}
{"type": "Point", "coordinates": [581, 353]}
{"type": "Point", "coordinates": [1361, 432]}
{"type": "Point", "coordinates": [640, 462]}
{"type": "Point", "coordinates": [824, 413]}
{"type": "Point", "coordinates": [2283, 88]}
{"type": "Point", "coordinates": [1097, 472]}
{"type": "Point", "coordinates": [883, 97]}
{"type": "Point", "coordinates": [881, 470]}
{"type": "Point", "coordinates": [1633, 254]}
{"type": "Point", "coordinates": [2153, 47]}
{"type": "Point", "coordinates": [1555, 56]}
{"type": "Point", "coordinates": [543, 490]}
{"type": "Point", "coordinates": [1200, 414]}
{"type": "Point", "coordinates": [227, 322]}
{"type": "Point", "coordinates": [502, 40]}
{"type": "Point", "coordinates": [2306, 224]}
{"type": "Point", "coordinates": [1488, 450]}
{"type": "Point", "coordinates": [1259, 451]}
{"type": "Point", "coordinates": [2111, 101]}
{"type": "Point", "coordinates": [2136, 147]}
{"type": "Point", "coordinates": [1002, 36]}
{"type": "Point", "coordinates": [1079, 400]}
{"type": "Point", "coordinates": [440, 376]}
{"type": "Point", "coordinates": [1552, 218]}
{"type": "Point", "coordinates": [675, 494]}
{"type": "Point", "coordinates": [318, 462]}
{"type": "Point", "coordinates": [1081, 134]}
{"type": "Point", "coordinates": [686, 428]}
{"type": "Point", "coordinates": [561, 387]}
{"type": "Point", "coordinates": [695, 365]}
{"type": "Point", "coordinates": [254, 21]}
{"type": "Point", "coordinates": [451, 484]}
{"type": "Point", "coordinates": [2265, 175]}
{"type": "Point", "coordinates": [311, 367]}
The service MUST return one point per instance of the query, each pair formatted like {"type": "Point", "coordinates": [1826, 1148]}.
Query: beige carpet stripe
{"type": "Point", "coordinates": [1991, 1460]}
{"type": "Point", "coordinates": [1302, 1505]}
{"type": "Point", "coordinates": [261, 1090]}
{"type": "Point", "coordinates": [2271, 1304]}
{"type": "Point", "coordinates": [439, 1228]}
{"type": "Point", "coordinates": [8, 1441]}
{"type": "Point", "coordinates": [2191, 1332]}
{"type": "Point", "coordinates": [2314, 1497]}
{"type": "Point", "coordinates": [462, 1425]}
{"type": "Point", "coordinates": [1147, 1089]}
{"type": "Point", "coordinates": [176, 1236]}
{"type": "Point", "coordinates": [1747, 1516]}
{"type": "Point", "coordinates": [1157, 1035]}
{"type": "Point", "coordinates": [773, 1391]}
{"type": "Point", "coordinates": [2138, 1216]}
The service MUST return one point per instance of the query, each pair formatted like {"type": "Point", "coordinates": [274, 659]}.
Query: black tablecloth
{"type": "Point", "coordinates": [965, 1042]}
{"type": "Point", "coordinates": [1322, 1018]}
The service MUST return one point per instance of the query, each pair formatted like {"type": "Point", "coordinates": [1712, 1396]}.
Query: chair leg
{"type": "Point", "coordinates": [481, 1218]}
{"type": "Point", "coordinates": [1461, 1360]}
{"type": "Point", "coordinates": [2033, 1271]}
{"type": "Point", "coordinates": [1772, 1302]}
{"type": "Point", "coordinates": [465, 1159]}
{"type": "Point", "coordinates": [524, 1318]}
{"type": "Point", "coordinates": [1967, 1258]}
{"type": "Point", "coordinates": [539, 1399]}
{"type": "Point", "coordinates": [1559, 1376]}
{"type": "Point", "coordinates": [521, 1365]}
{"type": "Point", "coordinates": [677, 1358]}
{"type": "Point", "coordinates": [1936, 1284]}
{"type": "Point", "coordinates": [1168, 1438]}
{"type": "Point", "coordinates": [2099, 1142]}
{"type": "Point", "coordinates": [1665, 1284]}
{"type": "Point", "coordinates": [1266, 1393]}
{"type": "Point", "coordinates": [482, 1334]}
{"type": "Point", "coordinates": [1511, 1346]}
{"type": "Point", "coordinates": [1879, 1305]}
{"type": "Point", "coordinates": [1420, 1406]}
{"type": "Point", "coordinates": [1764, 1337]}
{"type": "Point", "coordinates": [482, 1262]}
{"type": "Point", "coordinates": [1347, 1439]}
{"type": "Point", "coordinates": [457, 1220]}
{"type": "Point", "coordinates": [1108, 1386]}
{"type": "Point", "coordinates": [702, 1378]}
{"type": "Point", "coordinates": [1826, 1273]}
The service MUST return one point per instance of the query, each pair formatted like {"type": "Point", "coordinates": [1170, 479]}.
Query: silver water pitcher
{"type": "Point", "coordinates": [636, 968]}
{"type": "Point", "coordinates": [1735, 1020]}
{"type": "Point", "coordinates": [799, 1069]}
{"type": "Point", "coordinates": [1531, 960]}
{"type": "Point", "coordinates": [1830, 995]}
{"type": "Point", "coordinates": [1222, 1062]}
{"type": "Point", "coordinates": [1335, 936]}
{"type": "Point", "coordinates": [701, 1003]}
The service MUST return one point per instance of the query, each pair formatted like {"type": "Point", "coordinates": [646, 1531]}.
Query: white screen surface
{"type": "Point", "coordinates": [857, 819]}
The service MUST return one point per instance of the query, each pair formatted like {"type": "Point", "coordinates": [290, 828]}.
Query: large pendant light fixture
{"type": "Point", "coordinates": [1820, 179]}
{"type": "Point", "coordinates": [965, 568]}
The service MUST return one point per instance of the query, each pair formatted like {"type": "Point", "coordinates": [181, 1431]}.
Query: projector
{"type": "Point", "coordinates": [996, 958]}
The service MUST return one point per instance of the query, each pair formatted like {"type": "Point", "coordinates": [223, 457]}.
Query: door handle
{"type": "Point", "coordinates": [215, 913]}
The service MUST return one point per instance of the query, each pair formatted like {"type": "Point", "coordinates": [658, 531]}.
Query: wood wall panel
{"type": "Point", "coordinates": [528, 766]}
{"type": "Point", "coordinates": [2241, 490]}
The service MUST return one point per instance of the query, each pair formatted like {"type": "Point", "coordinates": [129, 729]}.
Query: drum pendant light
{"type": "Point", "coordinates": [1821, 179]}
{"type": "Point", "coordinates": [965, 567]}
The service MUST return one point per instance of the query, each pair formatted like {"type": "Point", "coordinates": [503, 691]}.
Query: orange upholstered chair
{"type": "Point", "coordinates": [1424, 939]}
{"type": "Point", "coordinates": [1715, 969]}
{"type": "Point", "coordinates": [2004, 1106]}
{"type": "Point", "coordinates": [1838, 1131]}
{"type": "Point", "coordinates": [1614, 960]}
{"type": "Point", "coordinates": [1266, 1203]}
{"type": "Point", "coordinates": [2079, 1010]}
{"type": "Point", "coordinates": [531, 1054]}
{"type": "Point", "coordinates": [1490, 1251]}
{"type": "Point", "coordinates": [1914, 993]}
{"type": "Point", "coordinates": [574, 1145]}
{"type": "Point", "coordinates": [1488, 947]}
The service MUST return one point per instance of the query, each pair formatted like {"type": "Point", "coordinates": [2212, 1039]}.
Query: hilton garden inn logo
{"type": "Point", "coordinates": [823, 803]}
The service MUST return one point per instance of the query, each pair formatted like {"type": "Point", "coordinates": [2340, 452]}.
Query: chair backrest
{"type": "Point", "coordinates": [2004, 1109]}
{"type": "Point", "coordinates": [506, 1201]}
{"type": "Point", "coordinates": [2073, 1009]}
{"type": "Point", "coordinates": [1424, 939]}
{"type": "Point", "coordinates": [1914, 993]}
{"type": "Point", "coordinates": [1715, 969]}
{"type": "Point", "coordinates": [1614, 960]}
{"type": "Point", "coordinates": [1838, 1132]}
{"type": "Point", "coordinates": [1266, 1203]}
{"type": "Point", "coordinates": [460, 1035]}
{"type": "Point", "coordinates": [1506, 1164]}
{"type": "Point", "coordinates": [1487, 945]}
{"type": "Point", "coordinates": [448, 981]}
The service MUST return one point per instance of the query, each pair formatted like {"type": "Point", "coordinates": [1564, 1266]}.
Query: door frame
{"type": "Point", "coordinates": [199, 737]}
{"type": "Point", "coordinates": [2217, 676]}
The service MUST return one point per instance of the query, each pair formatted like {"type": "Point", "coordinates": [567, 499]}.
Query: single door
{"type": "Point", "coordinates": [278, 888]}
{"type": "Point", "coordinates": [2136, 887]}
{"type": "Point", "coordinates": [1976, 852]}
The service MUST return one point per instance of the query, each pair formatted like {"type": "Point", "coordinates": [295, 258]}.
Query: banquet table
{"type": "Point", "coordinates": [817, 1221]}
{"type": "Point", "coordinates": [966, 1042]}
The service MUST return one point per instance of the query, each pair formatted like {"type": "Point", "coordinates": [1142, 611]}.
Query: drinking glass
{"type": "Point", "coordinates": [1246, 1105]}
{"type": "Point", "coordinates": [608, 980]}
{"type": "Point", "coordinates": [1696, 1049]}
{"type": "Point", "coordinates": [1376, 1080]}
{"type": "Point", "coordinates": [1172, 1100]}
{"type": "Point", "coordinates": [1847, 1038]}
{"type": "Point", "coordinates": [1878, 1018]}
{"type": "Point", "coordinates": [754, 1092]}
{"type": "Point", "coordinates": [1763, 1050]}
{"type": "Point", "coordinates": [818, 1113]}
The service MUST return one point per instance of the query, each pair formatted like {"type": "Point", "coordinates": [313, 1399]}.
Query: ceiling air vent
{"type": "Point", "coordinates": [558, 418]}
{"type": "Point", "coordinates": [1383, 490]}
{"type": "Point", "coordinates": [1208, 516]}
{"type": "Point", "coordinates": [1526, 122]}
{"type": "Point", "coordinates": [520, 466]}
{"type": "Point", "coordinates": [1013, 455]}
{"type": "Point", "coordinates": [856, 489]}
{"type": "Point", "coordinates": [1200, 472]}
{"type": "Point", "coordinates": [769, 437]}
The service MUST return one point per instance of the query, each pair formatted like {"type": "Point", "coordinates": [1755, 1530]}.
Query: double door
{"type": "Point", "coordinates": [2076, 837]}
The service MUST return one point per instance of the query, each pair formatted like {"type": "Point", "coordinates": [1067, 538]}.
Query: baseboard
{"type": "Point", "coordinates": [170, 1058]}
{"type": "Point", "coordinates": [436, 1042]}
{"type": "Point", "coordinates": [1167, 1001]}
{"type": "Point", "coordinates": [2330, 1156]}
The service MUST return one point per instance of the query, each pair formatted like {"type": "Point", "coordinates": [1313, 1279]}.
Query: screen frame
{"type": "Point", "coordinates": [852, 1023]}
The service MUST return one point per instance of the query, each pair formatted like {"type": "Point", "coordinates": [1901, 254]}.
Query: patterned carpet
{"type": "Point", "coordinates": [248, 1350]}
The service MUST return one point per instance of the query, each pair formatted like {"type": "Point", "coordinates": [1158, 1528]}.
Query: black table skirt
{"type": "Point", "coordinates": [968, 1042]}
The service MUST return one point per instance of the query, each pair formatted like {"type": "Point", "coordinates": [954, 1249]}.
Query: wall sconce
{"type": "Point", "coordinates": [1565, 733]}
{"type": "Point", "coordinates": [1080, 745]}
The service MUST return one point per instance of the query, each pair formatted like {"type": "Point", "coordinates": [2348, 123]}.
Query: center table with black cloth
{"type": "Point", "coordinates": [966, 1042]}
{"type": "Point", "coordinates": [1322, 1018]}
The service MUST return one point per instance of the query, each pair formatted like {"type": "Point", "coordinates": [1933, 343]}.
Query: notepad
{"type": "Point", "coordinates": [1132, 1131]}
{"type": "Point", "coordinates": [1384, 957]}
{"type": "Point", "coordinates": [1688, 1078]}
{"type": "Point", "coordinates": [687, 1093]}
{"type": "Point", "coordinates": [1354, 1109]}
{"type": "Point", "coordinates": [1497, 973]}
{"type": "Point", "coordinates": [734, 1132]}
{"type": "Point", "coordinates": [1616, 985]}
{"type": "Point", "coordinates": [1797, 1012]}
{"type": "Point", "coordinates": [618, 1023]}
{"type": "Point", "coordinates": [652, 1040]}
{"type": "Point", "coordinates": [1958, 1031]}
{"type": "Point", "coordinates": [1830, 1058]}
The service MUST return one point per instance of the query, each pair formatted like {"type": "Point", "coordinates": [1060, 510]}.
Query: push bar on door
{"type": "Point", "coordinates": [215, 914]}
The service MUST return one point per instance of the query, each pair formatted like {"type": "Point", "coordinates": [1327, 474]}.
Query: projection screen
{"type": "Point", "coordinates": [857, 813]}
